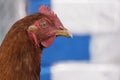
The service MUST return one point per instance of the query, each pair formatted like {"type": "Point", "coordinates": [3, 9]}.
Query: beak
{"type": "Point", "coordinates": [64, 32]}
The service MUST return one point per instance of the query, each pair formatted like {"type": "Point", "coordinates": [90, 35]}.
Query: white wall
{"type": "Point", "coordinates": [89, 16]}
{"type": "Point", "coordinates": [77, 71]}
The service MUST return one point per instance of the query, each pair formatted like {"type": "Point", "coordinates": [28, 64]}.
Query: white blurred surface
{"type": "Point", "coordinates": [105, 48]}
{"type": "Point", "coordinates": [78, 71]}
{"type": "Point", "coordinates": [10, 12]}
{"type": "Point", "coordinates": [89, 16]}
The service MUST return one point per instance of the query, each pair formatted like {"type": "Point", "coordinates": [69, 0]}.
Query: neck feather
{"type": "Point", "coordinates": [20, 59]}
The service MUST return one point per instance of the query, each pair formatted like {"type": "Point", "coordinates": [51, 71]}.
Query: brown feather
{"type": "Point", "coordinates": [19, 58]}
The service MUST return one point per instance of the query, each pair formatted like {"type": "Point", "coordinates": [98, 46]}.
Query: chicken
{"type": "Point", "coordinates": [21, 50]}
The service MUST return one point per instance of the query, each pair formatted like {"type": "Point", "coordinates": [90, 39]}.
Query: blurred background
{"type": "Point", "coordinates": [94, 51]}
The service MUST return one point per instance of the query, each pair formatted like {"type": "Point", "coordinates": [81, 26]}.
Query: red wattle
{"type": "Point", "coordinates": [48, 42]}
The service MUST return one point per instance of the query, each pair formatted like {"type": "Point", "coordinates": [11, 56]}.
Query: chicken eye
{"type": "Point", "coordinates": [43, 24]}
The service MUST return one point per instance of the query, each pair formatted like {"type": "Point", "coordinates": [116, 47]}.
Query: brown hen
{"type": "Point", "coordinates": [21, 50]}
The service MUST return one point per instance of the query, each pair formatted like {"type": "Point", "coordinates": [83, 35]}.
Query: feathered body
{"type": "Point", "coordinates": [21, 50]}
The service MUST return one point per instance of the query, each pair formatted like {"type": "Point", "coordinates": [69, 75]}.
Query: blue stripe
{"type": "Point", "coordinates": [65, 49]}
{"type": "Point", "coordinates": [45, 73]}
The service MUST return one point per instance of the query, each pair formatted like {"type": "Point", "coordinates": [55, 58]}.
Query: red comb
{"type": "Point", "coordinates": [47, 11]}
